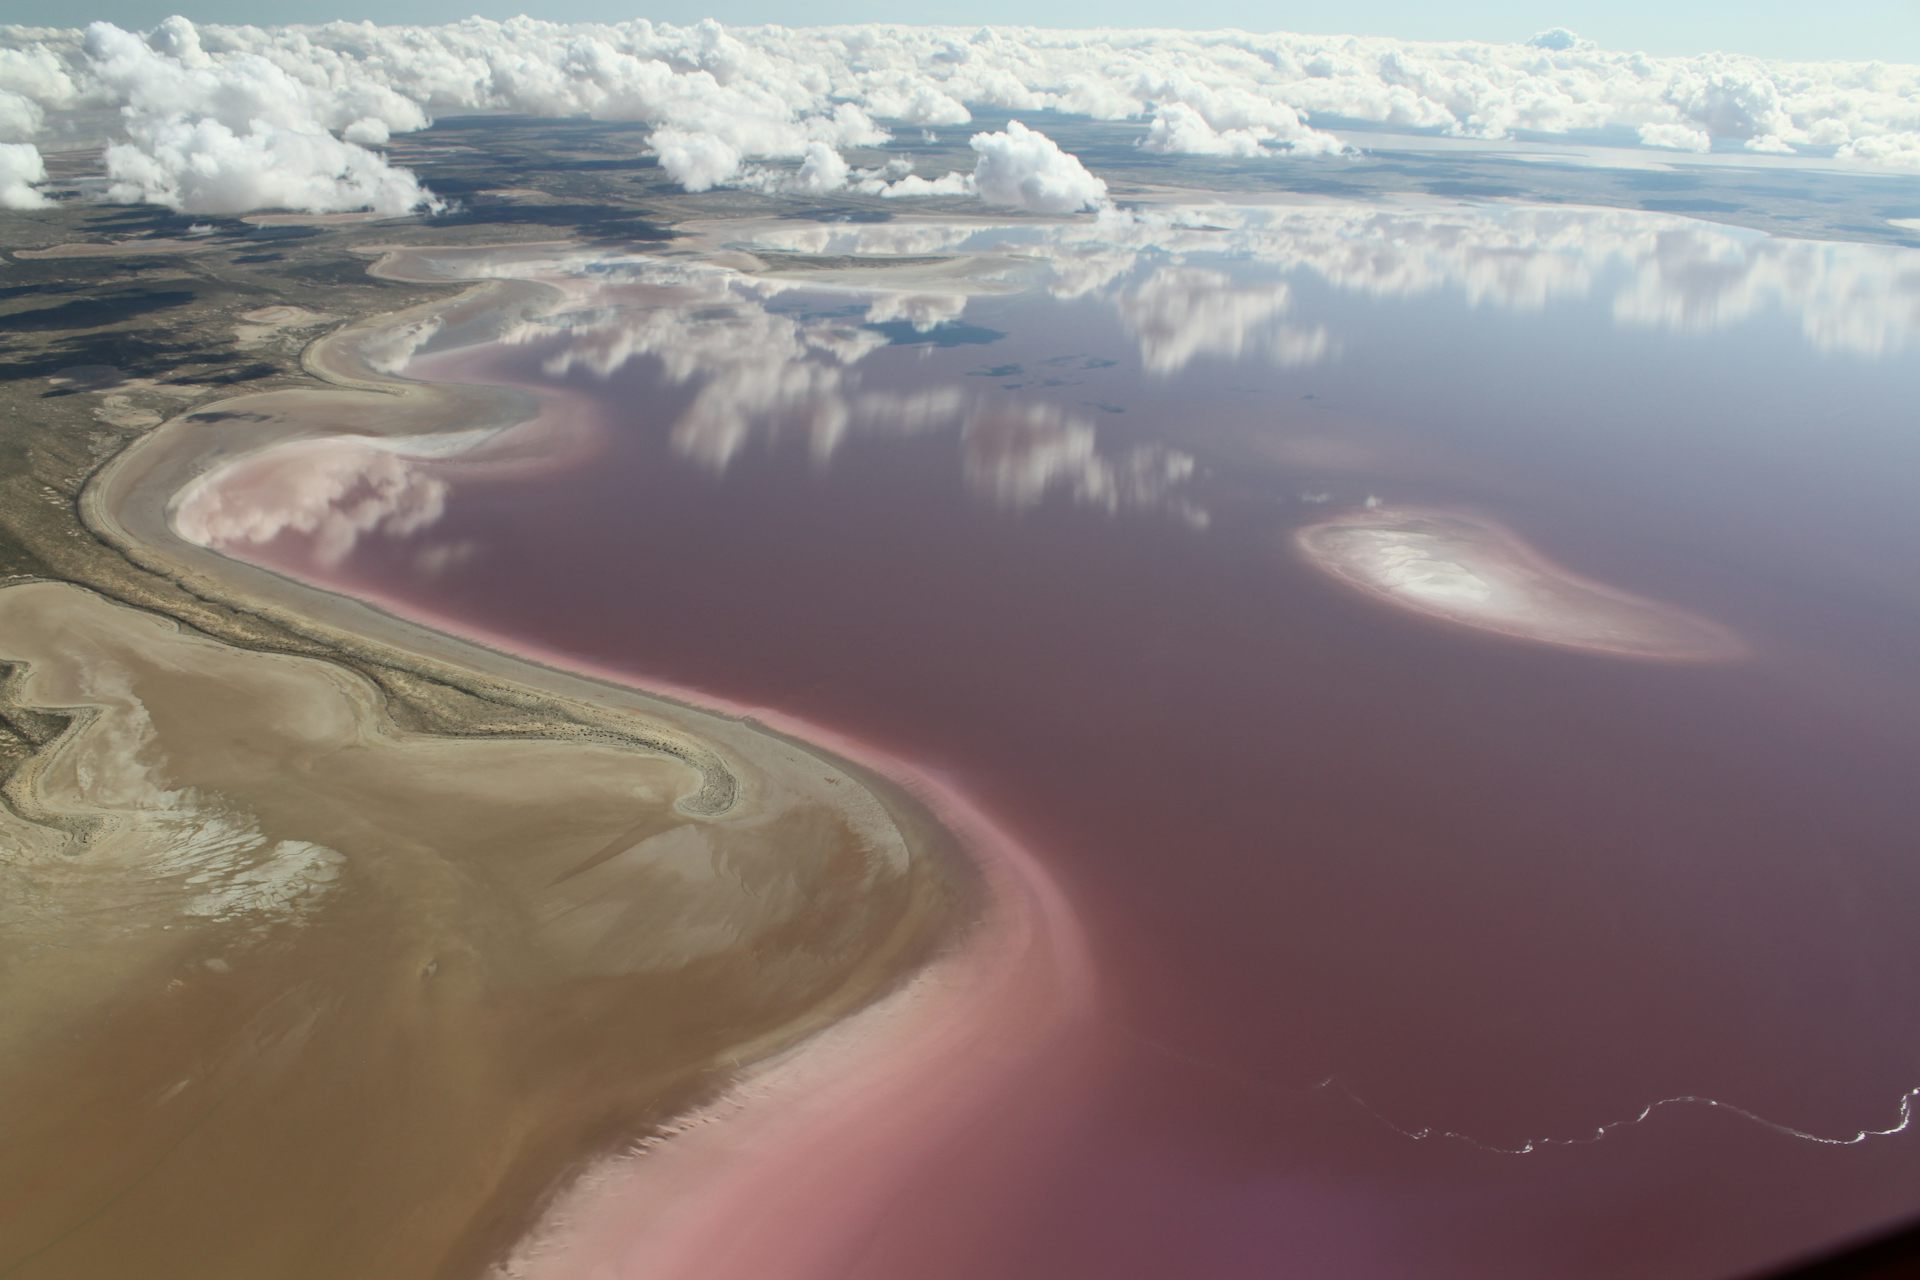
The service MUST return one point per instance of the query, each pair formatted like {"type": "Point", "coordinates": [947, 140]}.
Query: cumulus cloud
{"type": "Point", "coordinates": [822, 170]}
{"type": "Point", "coordinates": [36, 71]}
{"type": "Point", "coordinates": [242, 133]}
{"type": "Point", "coordinates": [1178, 129]}
{"type": "Point", "coordinates": [202, 166]}
{"type": "Point", "coordinates": [21, 169]}
{"type": "Point", "coordinates": [1017, 168]}
{"type": "Point", "coordinates": [720, 104]}
{"type": "Point", "coordinates": [33, 81]}
{"type": "Point", "coordinates": [1676, 137]}
{"type": "Point", "coordinates": [1731, 99]}
{"type": "Point", "coordinates": [1897, 151]}
{"type": "Point", "coordinates": [20, 116]}
{"type": "Point", "coordinates": [697, 161]}
{"type": "Point", "coordinates": [1025, 169]}
{"type": "Point", "coordinates": [1196, 117]}
{"type": "Point", "coordinates": [898, 181]}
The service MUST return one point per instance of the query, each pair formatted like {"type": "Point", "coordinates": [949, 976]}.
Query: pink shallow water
{"type": "Point", "coordinates": [1390, 920]}
{"type": "Point", "coordinates": [787, 1175]}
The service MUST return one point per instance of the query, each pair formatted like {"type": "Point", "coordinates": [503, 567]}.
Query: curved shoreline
{"type": "Point", "coordinates": [1022, 935]}
{"type": "Point", "coordinates": [834, 1125]}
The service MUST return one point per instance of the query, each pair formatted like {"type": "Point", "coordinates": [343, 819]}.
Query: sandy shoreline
{"type": "Point", "coordinates": [1019, 969]}
{"type": "Point", "coordinates": [789, 1171]}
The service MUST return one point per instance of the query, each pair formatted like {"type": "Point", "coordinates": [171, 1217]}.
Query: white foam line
{"type": "Point", "coordinates": [1332, 1084]}
{"type": "Point", "coordinates": [1532, 1145]}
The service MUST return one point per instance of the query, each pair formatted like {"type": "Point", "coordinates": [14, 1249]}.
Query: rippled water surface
{"type": "Point", "coordinates": [1424, 949]}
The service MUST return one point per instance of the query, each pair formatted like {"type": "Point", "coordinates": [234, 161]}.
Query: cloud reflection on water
{"type": "Point", "coordinates": [761, 372]}
{"type": "Point", "coordinates": [1658, 270]}
{"type": "Point", "coordinates": [762, 356]}
{"type": "Point", "coordinates": [333, 491]}
{"type": "Point", "coordinates": [1020, 455]}
{"type": "Point", "coordinates": [1178, 314]}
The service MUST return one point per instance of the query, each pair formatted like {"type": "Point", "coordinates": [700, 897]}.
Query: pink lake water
{"type": "Point", "coordinates": [1422, 950]}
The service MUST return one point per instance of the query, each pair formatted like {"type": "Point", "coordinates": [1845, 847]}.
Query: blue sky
{"type": "Point", "coordinates": [1860, 29]}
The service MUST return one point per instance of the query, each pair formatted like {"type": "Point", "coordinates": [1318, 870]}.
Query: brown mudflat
{"type": "Point", "coordinates": [294, 993]}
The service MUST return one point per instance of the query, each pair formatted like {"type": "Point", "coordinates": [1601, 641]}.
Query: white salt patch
{"type": "Point", "coordinates": [1410, 567]}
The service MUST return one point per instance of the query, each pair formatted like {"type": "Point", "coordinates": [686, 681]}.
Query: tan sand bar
{"type": "Point", "coordinates": [1465, 569]}
{"type": "Point", "coordinates": [293, 993]}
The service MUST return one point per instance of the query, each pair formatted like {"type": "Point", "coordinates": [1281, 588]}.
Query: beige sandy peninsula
{"type": "Point", "coordinates": [342, 961]}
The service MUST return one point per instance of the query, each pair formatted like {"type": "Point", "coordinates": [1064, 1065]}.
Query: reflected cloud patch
{"type": "Point", "coordinates": [332, 492]}
{"type": "Point", "coordinates": [1020, 456]}
{"type": "Point", "coordinates": [758, 372]}
{"type": "Point", "coordinates": [1179, 314]}
{"type": "Point", "coordinates": [1167, 271]}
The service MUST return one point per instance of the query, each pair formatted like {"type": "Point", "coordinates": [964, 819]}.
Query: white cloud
{"type": "Point", "coordinates": [719, 101]}
{"type": "Point", "coordinates": [822, 170]}
{"type": "Point", "coordinates": [912, 184]}
{"type": "Point", "coordinates": [1018, 168]}
{"type": "Point", "coordinates": [1736, 99]}
{"type": "Point", "coordinates": [33, 81]}
{"type": "Point", "coordinates": [1676, 137]}
{"type": "Point", "coordinates": [21, 169]}
{"type": "Point", "coordinates": [1221, 116]}
{"type": "Point", "coordinates": [244, 133]}
{"type": "Point", "coordinates": [204, 167]}
{"type": "Point", "coordinates": [849, 126]}
{"type": "Point", "coordinates": [20, 116]}
{"type": "Point", "coordinates": [170, 76]}
{"type": "Point", "coordinates": [697, 161]}
{"type": "Point", "coordinates": [1025, 169]}
{"type": "Point", "coordinates": [37, 72]}
{"type": "Point", "coordinates": [1895, 151]}
{"type": "Point", "coordinates": [916, 103]}
{"type": "Point", "coordinates": [1179, 129]}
